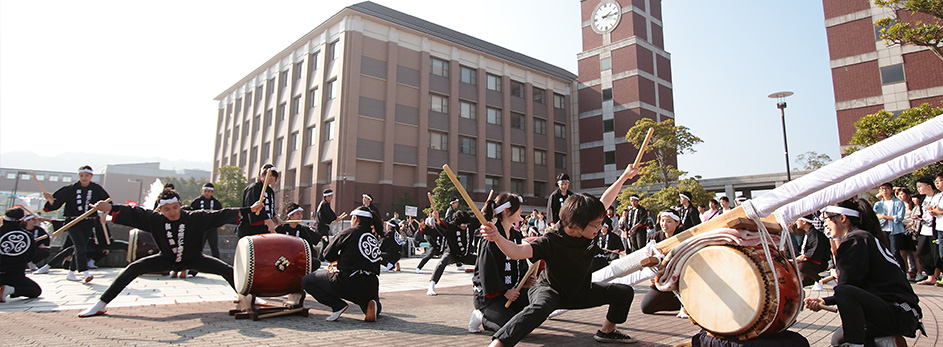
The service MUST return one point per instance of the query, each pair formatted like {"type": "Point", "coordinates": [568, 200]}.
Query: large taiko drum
{"type": "Point", "coordinates": [140, 245]}
{"type": "Point", "coordinates": [270, 265]}
{"type": "Point", "coordinates": [730, 291]}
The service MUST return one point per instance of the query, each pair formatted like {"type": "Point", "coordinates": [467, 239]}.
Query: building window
{"type": "Point", "coordinates": [558, 101]}
{"type": "Point", "coordinates": [245, 129]}
{"type": "Point", "coordinates": [235, 136]}
{"type": "Point", "coordinates": [518, 154]}
{"type": "Point", "coordinates": [243, 158]}
{"type": "Point", "coordinates": [332, 50]}
{"type": "Point", "coordinates": [494, 150]}
{"type": "Point", "coordinates": [256, 123]}
{"type": "Point", "coordinates": [494, 116]}
{"type": "Point", "coordinates": [494, 82]}
{"type": "Point", "coordinates": [540, 188]}
{"type": "Point", "coordinates": [877, 30]}
{"type": "Point", "coordinates": [283, 79]}
{"type": "Point", "coordinates": [465, 180]}
{"type": "Point", "coordinates": [328, 130]}
{"type": "Point", "coordinates": [280, 145]}
{"type": "Point", "coordinates": [610, 157]}
{"type": "Point", "coordinates": [313, 97]}
{"type": "Point", "coordinates": [297, 69]}
{"type": "Point", "coordinates": [268, 118]}
{"type": "Point", "coordinates": [540, 157]}
{"type": "Point", "coordinates": [11, 175]}
{"type": "Point", "coordinates": [517, 186]}
{"type": "Point", "coordinates": [314, 63]}
{"type": "Point", "coordinates": [608, 125]}
{"type": "Point", "coordinates": [280, 111]}
{"type": "Point", "coordinates": [248, 102]}
{"type": "Point", "coordinates": [40, 177]}
{"type": "Point", "coordinates": [560, 160]}
{"type": "Point", "coordinates": [468, 75]}
{"type": "Point", "coordinates": [53, 178]}
{"type": "Point", "coordinates": [540, 126]}
{"type": "Point", "coordinates": [892, 74]}
{"type": "Point", "coordinates": [66, 179]}
{"type": "Point", "coordinates": [258, 95]}
{"type": "Point", "coordinates": [295, 105]}
{"type": "Point", "coordinates": [438, 141]}
{"type": "Point", "coordinates": [331, 85]}
{"type": "Point", "coordinates": [607, 94]}
{"type": "Point", "coordinates": [467, 145]}
{"type": "Point", "coordinates": [439, 67]}
{"type": "Point", "coordinates": [254, 155]}
{"type": "Point", "coordinates": [467, 110]}
{"type": "Point", "coordinates": [559, 131]}
{"type": "Point", "coordinates": [312, 136]}
{"type": "Point", "coordinates": [294, 141]}
{"type": "Point", "coordinates": [270, 85]}
{"type": "Point", "coordinates": [491, 183]}
{"type": "Point", "coordinates": [517, 89]}
{"type": "Point", "coordinates": [539, 96]}
{"type": "Point", "coordinates": [605, 63]}
{"type": "Point", "coordinates": [266, 150]}
{"type": "Point", "coordinates": [438, 103]}
{"type": "Point", "coordinates": [517, 120]}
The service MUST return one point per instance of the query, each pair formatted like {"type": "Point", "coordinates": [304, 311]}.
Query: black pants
{"type": "Point", "coordinates": [80, 233]}
{"type": "Point", "coordinates": [431, 252]}
{"type": "Point", "coordinates": [391, 257]}
{"type": "Point", "coordinates": [865, 316]}
{"type": "Point", "coordinates": [544, 300]}
{"type": "Point", "coordinates": [809, 272]}
{"type": "Point", "coordinates": [211, 236]}
{"type": "Point", "coordinates": [658, 301]}
{"type": "Point", "coordinates": [928, 254]}
{"type": "Point", "coordinates": [638, 239]}
{"type": "Point", "coordinates": [39, 258]}
{"type": "Point", "coordinates": [159, 263]}
{"type": "Point", "coordinates": [448, 259]}
{"type": "Point", "coordinates": [496, 316]}
{"type": "Point", "coordinates": [22, 285]}
{"type": "Point", "coordinates": [332, 288]}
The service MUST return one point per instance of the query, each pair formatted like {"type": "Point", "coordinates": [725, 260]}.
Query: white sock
{"type": "Point", "coordinates": [98, 307]}
{"type": "Point", "coordinates": [5, 292]}
{"type": "Point", "coordinates": [431, 290]}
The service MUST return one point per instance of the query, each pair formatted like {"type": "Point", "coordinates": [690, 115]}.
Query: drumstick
{"type": "Point", "coordinates": [37, 183]}
{"type": "Point", "coordinates": [292, 221]}
{"type": "Point", "coordinates": [829, 308]}
{"type": "Point", "coordinates": [264, 189]}
{"type": "Point", "coordinates": [73, 222]}
{"type": "Point", "coordinates": [432, 205]}
{"type": "Point", "coordinates": [461, 190]}
{"type": "Point", "coordinates": [641, 151]}
{"type": "Point", "coordinates": [105, 230]}
{"type": "Point", "coordinates": [339, 218]}
{"type": "Point", "coordinates": [530, 271]}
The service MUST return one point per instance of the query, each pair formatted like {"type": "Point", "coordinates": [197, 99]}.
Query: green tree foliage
{"type": "Point", "coordinates": [668, 141]}
{"type": "Point", "coordinates": [400, 205]}
{"type": "Point", "coordinates": [444, 192]}
{"type": "Point", "coordinates": [895, 30]}
{"type": "Point", "coordinates": [875, 127]}
{"type": "Point", "coordinates": [188, 188]}
{"type": "Point", "coordinates": [230, 183]}
{"type": "Point", "coordinates": [813, 161]}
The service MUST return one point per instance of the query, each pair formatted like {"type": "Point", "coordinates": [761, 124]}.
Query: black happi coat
{"type": "Point", "coordinates": [202, 203]}
{"type": "Point", "coordinates": [554, 202]}
{"type": "Point", "coordinates": [172, 237]}
{"type": "Point", "coordinates": [76, 198]}
{"type": "Point", "coordinates": [16, 248]}
{"type": "Point", "coordinates": [495, 273]}
{"type": "Point", "coordinates": [301, 231]}
{"type": "Point", "coordinates": [324, 218]}
{"type": "Point", "coordinates": [252, 224]}
{"type": "Point", "coordinates": [355, 248]}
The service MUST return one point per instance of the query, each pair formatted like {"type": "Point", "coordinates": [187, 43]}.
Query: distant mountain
{"type": "Point", "coordinates": [72, 161]}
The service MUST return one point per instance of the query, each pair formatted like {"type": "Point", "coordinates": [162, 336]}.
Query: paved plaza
{"type": "Point", "coordinates": [158, 310]}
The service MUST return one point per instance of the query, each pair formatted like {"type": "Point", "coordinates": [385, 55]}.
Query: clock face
{"type": "Point", "coordinates": [606, 16]}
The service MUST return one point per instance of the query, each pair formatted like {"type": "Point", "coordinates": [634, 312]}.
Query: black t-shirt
{"type": "Point", "coordinates": [569, 262]}
{"type": "Point", "coordinates": [324, 217]}
{"type": "Point", "coordinates": [180, 240]}
{"type": "Point", "coordinates": [202, 203]}
{"type": "Point", "coordinates": [817, 247]}
{"type": "Point", "coordinates": [355, 248]}
{"type": "Point", "coordinates": [76, 199]}
{"type": "Point", "coordinates": [864, 263]}
{"type": "Point", "coordinates": [252, 223]}
{"type": "Point", "coordinates": [301, 231]}
{"type": "Point", "coordinates": [554, 202]}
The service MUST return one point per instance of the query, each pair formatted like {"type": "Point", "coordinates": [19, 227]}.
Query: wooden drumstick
{"type": "Point", "coordinates": [432, 205]}
{"type": "Point", "coordinates": [293, 221]}
{"type": "Point", "coordinates": [461, 190]}
{"type": "Point", "coordinates": [530, 272]}
{"type": "Point", "coordinates": [105, 230]}
{"type": "Point", "coordinates": [339, 218]}
{"type": "Point", "coordinates": [268, 173]}
{"type": "Point", "coordinates": [38, 184]}
{"type": "Point", "coordinates": [641, 151]}
{"type": "Point", "coordinates": [829, 308]}
{"type": "Point", "coordinates": [73, 222]}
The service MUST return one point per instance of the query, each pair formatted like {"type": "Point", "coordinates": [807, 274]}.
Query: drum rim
{"type": "Point", "coordinates": [132, 244]}
{"type": "Point", "coordinates": [243, 285]}
{"type": "Point", "coordinates": [762, 305]}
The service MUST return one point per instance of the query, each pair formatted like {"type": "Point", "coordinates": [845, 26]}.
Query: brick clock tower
{"type": "Point", "coordinates": [624, 75]}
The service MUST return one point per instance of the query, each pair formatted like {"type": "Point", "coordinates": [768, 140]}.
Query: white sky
{"type": "Point", "coordinates": [138, 78]}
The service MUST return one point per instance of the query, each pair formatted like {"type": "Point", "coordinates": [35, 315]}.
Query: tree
{"type": "Point", "coordinates": [878, 126]}
{"type": "Point", "coordinates": [188, 188]}
{"type": "Point", "coordinates": [444, 192]}
{"type": "Point", "coordinates": [230, 183]}
{"type": "Point", "coordinates": [813, 161]}
{"type": "Point", "coordinates": [895, 30]}
{"type": "Point", "coordinates": [668, 141]}
{"type": "Point", "coordinates": [400, 205]}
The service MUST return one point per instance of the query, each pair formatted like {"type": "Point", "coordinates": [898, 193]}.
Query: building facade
{"type": "Point", "coordinates": [869, 76]}
{"type": "Point", "coordinates": [376, 101]}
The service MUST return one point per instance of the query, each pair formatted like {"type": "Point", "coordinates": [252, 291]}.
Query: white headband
{"type": "Point", "coordinates": [503, 207]}
{"type": "Point", "coordinates": [87, 171]}
{"type": "Point", "coordinates": [28, 217]}
{"type": "Point", "coordinates": [669, 214]}
{"type": "Point", "coordinates": [168, 201]}
{"type": "Point", "coordinates": [362, 213]}
{"type": "Point", "coordinates": [328, 193]}
{"type": "Point", "coordinates": [804, 219]}
{"type": "Point", "coordinates": [633, 198]}
{"type": "Point", "coordinates": [841, 210]}
{"type": "Point", "coordinates": [368, 197]}
{"type": "Point", "coordinates": [561, 181]}
{"type": "Point", "coordinates": [453, 201]}
{"type": "Point", "coordinates": [684, 196]}
{"type": "Point", "coordinates": [209, 188]}
{"type": "Point", "coordinates": [8, 219]}
{"type": "Point", "coordinates": [296, 210]}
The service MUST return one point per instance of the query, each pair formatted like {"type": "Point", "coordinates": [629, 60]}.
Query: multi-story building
{"type": "Point", "coordinates": [868, 75]}
{"type": "Point", "coordinates": [376, 101]}
{"type": "Point", "coordinates": [624, 76]}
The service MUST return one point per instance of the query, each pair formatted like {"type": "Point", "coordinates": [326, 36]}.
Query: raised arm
{"type": "Point", "coordinates": [611, 193]}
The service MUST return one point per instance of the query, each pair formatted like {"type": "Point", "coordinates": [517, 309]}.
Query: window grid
{"type": "Point", "coordinates": [494, 116]}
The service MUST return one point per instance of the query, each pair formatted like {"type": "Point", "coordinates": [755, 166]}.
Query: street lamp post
{"type": "Point", "coordinates": [781, 105]}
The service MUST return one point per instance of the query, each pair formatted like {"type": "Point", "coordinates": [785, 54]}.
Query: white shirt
{"type": "Point", "coordinates": [888, 210]}
{"type": "Point", "coordinates": [926, 229]}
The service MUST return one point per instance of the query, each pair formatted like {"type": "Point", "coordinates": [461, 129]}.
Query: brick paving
{"type": "Point", "coordinates": [158, 311]}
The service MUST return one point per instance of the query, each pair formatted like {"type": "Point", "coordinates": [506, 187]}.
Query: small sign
{"type": "Point", "coordinates": [132, 203]}
{"type": "Point", "coordinates": [412, 211]}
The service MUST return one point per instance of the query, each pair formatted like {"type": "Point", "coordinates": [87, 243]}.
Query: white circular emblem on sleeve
{"type": "Point", "coordinates": [14, 243]}
{"type": "Point", "coordinates": [369, 247]}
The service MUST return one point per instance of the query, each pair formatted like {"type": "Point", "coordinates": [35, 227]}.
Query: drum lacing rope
{"type": "Point", "coordinates": [765, 239]}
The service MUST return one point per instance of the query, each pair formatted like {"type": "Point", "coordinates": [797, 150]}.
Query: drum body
{"type": "Point", "coordinates": [140, 245]}
{"type": "Point", "coordinates": [731, 291]}
{"type": "Point", "coordinates": [268, 265]}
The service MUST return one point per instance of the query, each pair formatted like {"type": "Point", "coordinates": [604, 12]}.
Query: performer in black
{"type": "Point", "coordinates": [266, 220]}
{"type": "Point", "coordinates": [209, 203]}
{"type": "Point", "coordinates": [174, 229]}
{"type": "Point", "coordinates": [636, 224]}
{"type": "Point", "coordinates": [357, 252]}
{"type": "Point", "coordinates": [496, 276]}
{"type": "Point", "coordinates": [323, 219]}
{"type": "Point", "coordinates": [391, 247]}
{"type": "Point", "coordinates": [450, 212]}
{"type": "Point", "coordinates": [557, 198]}
{"type": "Point", "coordinates": [458, 250]}
{"type": "Point", "coordinates": [368, 203]}
{"type": "Point", "coordinates": [297, 229]}
{"type": "Point", "coordinates": [609, 245]}
{"type": "Point", "coordinates": [76, 198]}
{"type": "Point", "coordinates": [16, 250]}
{"type": "Point", "coordinates": [875, 301]}
{"type": "Point", "coordinates": [814, 252]}
{"type": "Point", "coordinates": [431, 235]}
{"type": "Point", "coordinates": [31, 225]}
{"type": "Point", "coordinates": [688, 212]}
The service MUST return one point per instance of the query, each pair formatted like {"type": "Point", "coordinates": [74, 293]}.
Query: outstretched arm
{"type": "Point", "coordinates": [512, 250]}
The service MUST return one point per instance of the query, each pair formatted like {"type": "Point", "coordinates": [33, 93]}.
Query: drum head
{"type": "Point", "coordinates": [133, 245]}
{"type": "Point", "coordinates": [722, 289]}
{"type": "Point", "coordinates": [243, 265]}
